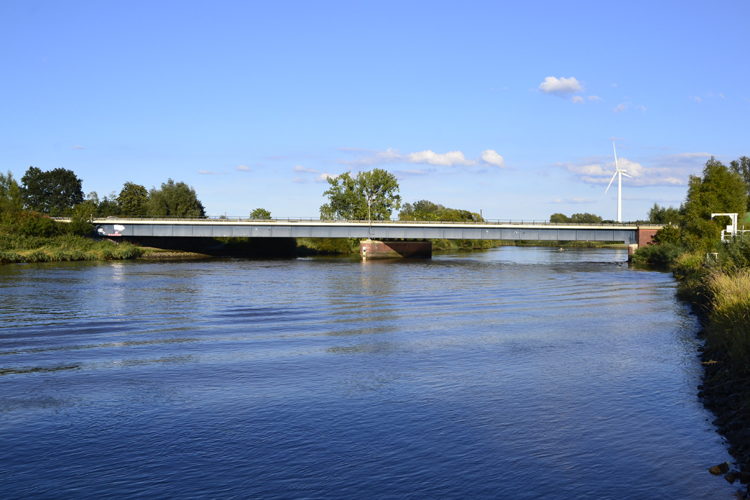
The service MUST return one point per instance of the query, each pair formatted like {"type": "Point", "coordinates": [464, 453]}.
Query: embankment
{"type": "Point", "coordinates": [720, 296]}
{"type": "Point", "coordinates": [29, 249]}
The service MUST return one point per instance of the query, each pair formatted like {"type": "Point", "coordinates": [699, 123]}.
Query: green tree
{"type": "Point", "coordinates": [260, 214]}
{"type": "Point", "coordinates": [133, 200]}
{"type": "Point", "coordinates": [429, 211]}
{"type": "Point", "coordinates": [349, 197]}
{"type": "Point", "coordinates": [585, 218]}
{"type": "Point", "coordinates": [741, 166]}
{"type": "Point", "coordinates": [10, 195]}
{"type": "Point", "coordinates": [663, 215]}
{"type": "Point", "coordinates": [559, 218]}
{"type": "Point", "coordinates": [720, 190]}
{"type": "Point", "coordinates": [55, 192]}
{"type": "Point", "coordinates": [174, 199]}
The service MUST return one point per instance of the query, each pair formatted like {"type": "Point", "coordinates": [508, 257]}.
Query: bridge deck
{"type": "Point", "coordinates": [299, 228]}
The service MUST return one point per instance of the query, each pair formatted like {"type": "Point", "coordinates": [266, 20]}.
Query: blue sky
{"type": "Point", "coordinates": [509, 108]}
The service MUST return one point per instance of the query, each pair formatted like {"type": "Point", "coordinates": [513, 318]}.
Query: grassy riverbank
{"type": "Point", "coordinates": [66, 247]}
{"type": "Point", "coordinates": [717, 285]}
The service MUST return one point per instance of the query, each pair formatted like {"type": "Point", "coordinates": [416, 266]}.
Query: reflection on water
{"type": "Point", "coordinates": [510, 373]}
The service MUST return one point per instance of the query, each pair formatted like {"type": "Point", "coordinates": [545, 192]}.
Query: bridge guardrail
{"type": "Point", "coordinates": [234, 219]}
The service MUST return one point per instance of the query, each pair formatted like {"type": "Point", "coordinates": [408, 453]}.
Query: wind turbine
{"type": "Point", "coordinates": [618, 173]}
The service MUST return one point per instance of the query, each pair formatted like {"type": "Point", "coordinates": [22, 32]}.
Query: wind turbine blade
{"type": "Point", "coordinates": [615, 149]}
{"type": "Point", "coordinates": [626, 175]}
{"type": "Point", "coordinates": [610, 183]}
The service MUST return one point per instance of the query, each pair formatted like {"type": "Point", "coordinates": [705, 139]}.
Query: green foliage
{"type": "Point", "coordinates": [741, 167]}
{"type": "Point", "coordinates": [559, 218]}
{"type": "Point", "coordinates": [10, 194]}
{"type": "Point", "coordinates": [668, 235]}
{"type": "Point", "coordinates": [327, 246]}
{"type": "Point", "coordinates": [133, 200]}
{"type": "Point", "coordinates": [62, 247]}
{"type": "Point", "coordinates": [348, 196]}
{"type": "Point", "coordinates": [79, 220]}
{"type": "Point", "coordinates": [260, 214]}
{"type": "Point", "coordinates": [720, 190]}
{"type": "Point", "coordinates": [107, 206]}
{"type": "Point", "coordinates": [663, 215]}
{"type": "Point", "coordinates": [429, 211]}
{"type": "Point", "coordinates": [584, 218]}
{"type": "Point", "coordinates": [55, 192]}
{"type": "Point", "coordinates": [27, 223]}
{"type": "Point", "coordinates": [658, 255]}
{"type": "Point", "coordinates": [174, 200]}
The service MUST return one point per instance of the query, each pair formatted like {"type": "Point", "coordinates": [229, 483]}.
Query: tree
{"type": "Point", "coordinates": [559, 218]}
{"type": "Point", "coordinates": [133, 200]}
{"type": "Point", "coordinates": [370, 195]}
{"type": "Point", "coordinates": [741, 166]}
{"type": "Point", "coordinates": [720, 190]}
{"type": "Point", "coordinates": [663, 215]}
{"type": "Point", "coordinates": [174, 199]}
{"type": "Point", "coordinates": [584, 218]}
{"type": "Point", "coordinates": [10, 194]}
{"type": "Point", "coordinates": [427, 210]}
{"type": "Point", "coordinates": [55, 192]}
{"type": "Point", "coordinates": [260, 214]}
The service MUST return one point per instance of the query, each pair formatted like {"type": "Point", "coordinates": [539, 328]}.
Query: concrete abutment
{"type": "Point", "coordinates": [375, 249]}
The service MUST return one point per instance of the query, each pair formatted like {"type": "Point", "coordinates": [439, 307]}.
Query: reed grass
{"type": "Point", "coordinates": [16, 248]}
{"type": "Point", "coordinates": [728, 328]}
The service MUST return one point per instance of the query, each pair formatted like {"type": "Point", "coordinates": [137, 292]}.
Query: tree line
{"type": "Point", "coordinates": [690, 228]}
{"type": "Point", "coordinates": [59, 192]}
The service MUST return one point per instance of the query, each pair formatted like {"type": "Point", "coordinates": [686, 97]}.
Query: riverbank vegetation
{"type": "Point", "coordinates": [714, 276]}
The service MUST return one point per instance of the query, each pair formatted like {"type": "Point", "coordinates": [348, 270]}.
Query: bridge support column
{"type": "Point", "coordinates": [373, 249]}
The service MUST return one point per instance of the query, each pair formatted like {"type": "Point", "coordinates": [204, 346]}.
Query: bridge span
{"type": "Point", "coordinates": [626, 233]}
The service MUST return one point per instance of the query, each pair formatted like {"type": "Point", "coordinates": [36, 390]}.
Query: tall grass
{"type": "Point", "coordinates": [728, 329]}
{"type": "Point", "coordinates": [65, 247]}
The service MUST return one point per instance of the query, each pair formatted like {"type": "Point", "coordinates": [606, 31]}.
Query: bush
{"type": "Point", "coordinates": [658, 255]}
{"type": "Point", "coordinates": [35, 224]}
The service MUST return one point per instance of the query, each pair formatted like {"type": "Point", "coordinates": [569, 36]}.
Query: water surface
{"type": "Point", "coordinates": [517, 373]}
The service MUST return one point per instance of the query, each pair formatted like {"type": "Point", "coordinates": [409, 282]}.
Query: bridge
{"type": "Point", "coordinates": [626, 233]}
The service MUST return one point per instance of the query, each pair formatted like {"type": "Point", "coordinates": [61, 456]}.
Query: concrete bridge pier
{"type": "Point", "coordinates": [374, 249]}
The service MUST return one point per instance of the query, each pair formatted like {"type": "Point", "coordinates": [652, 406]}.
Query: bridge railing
{"type": "Point", "coordinates": [234, 219]}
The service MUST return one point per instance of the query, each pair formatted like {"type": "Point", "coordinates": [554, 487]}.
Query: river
{"type": "Point", "coordinates": [514, 373]}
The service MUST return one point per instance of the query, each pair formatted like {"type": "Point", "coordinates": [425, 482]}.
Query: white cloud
{"type": "Point", "coordinates": [560, 87]}
{"type": "Point", "coordinates": [594, 98]}
{"type": "Point", "coordinates": [299, 180]}
{"type": "Point", "coordinates": [613, 85]}
{"type": "Point", "coordinates": [428, 157]}
{"type": "Point", "coordinates": [696, 98]}
{"type": "Point", "coordinates": [642, 108]}
{"type": "Point", "coordinates": [622, 107]}
{"type": "Point", "coordinates": [578, 99]}
{"type": "Point", "coordinates": [374, 158]}
{"type": "Point", "coordinates": [665, 170]}
{"type": "Point", "coordinates": [721, 95]}
{"type": "Point", "coordinates": [491, 157]}
{"type": "Point", "coordinates": [78, 147]}
{"type": "Point", "coordinates": [449, 159]}
{"type": "Point", "coordinates": [207, 172]}
{"type": "Point", "coordinates": [243, 168]}
{"type": "Point", "coordinates": [324, 177]}
{"type": "Point", "coordinates": [305, 170]}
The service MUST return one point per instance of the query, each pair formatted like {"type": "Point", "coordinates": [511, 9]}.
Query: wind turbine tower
{"type": "Point", "coordinates": [618, 173]}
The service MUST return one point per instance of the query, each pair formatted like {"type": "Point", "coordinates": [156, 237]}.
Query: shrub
{"type": "Point", "coordinates": [658, 255]}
